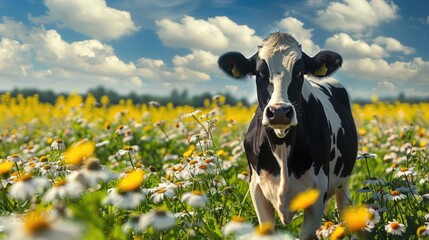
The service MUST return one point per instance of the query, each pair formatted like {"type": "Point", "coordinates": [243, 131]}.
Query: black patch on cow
{"type": "Point", "coordinates": [347, 141]}
{"type": "Point", "coordinates": [258, 149]}
{"type": "Point", "coordinates": [312, 141]}
{"type": "Point", "coordinates": [325, 197]}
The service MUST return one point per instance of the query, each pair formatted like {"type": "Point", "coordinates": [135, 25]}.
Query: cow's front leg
{"type": "Point", "coordinates": [264, 209]}
{"type": "Point", "coordinates": [312, 218]}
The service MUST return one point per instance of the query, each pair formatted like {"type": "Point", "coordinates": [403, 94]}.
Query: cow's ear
{"type": "Point", "coordinates": [236, 65]}
{"type": "Point", "coordinates": [323, 64]}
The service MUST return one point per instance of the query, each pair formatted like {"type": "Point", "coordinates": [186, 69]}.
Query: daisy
{"type": "Point", "coordinates": [162, 193]}
{"type": "Point", "coordinates": [124, 200]}
{"type": "Point", "coordinates": [237, 226]}
{"type": "Point", "coordinates": [373, 181]}
{"type": "Point", "coordinates": [405, 172]}
{"type": "Point", "coordinates": [244, 175]}
{"type": "Point", "coordinates": [37, 225]}
{"type": "Point", "coordinates": [326, 230]}
{"type": "Point", "coordinates": [422, 231]}
{"type": "Point", "coordinates": [58, 145]}
{"type": "Point", "coordinates": [159, 219]}
{"type": "Point", "coordinates": [132, 224]}
{"type": "Point", "coordinates": [92, 173]}
{"type": "Point", "coordinates": [395, 196]}
{"type": "Point", "coordinates": [26, 186]}
{"type": "Point", "coordinates": [15, 158]}
{"type": "Point", "coordinates": [128, 150]}
{"type": "Point", "coordinates": [195, 199]}
{"type": "Point", "coordinates": [63, 189]}
{"type": "Point", "coordinates": [127, 194]}
{"type": "Point", "coordinates": [191, 114]}
{"type": "Point", "coordinates": [395, 228]}
{"type": "Point", "coordinates": [373, 218]}
{"type": "Point", "coordinates": [265, 231]}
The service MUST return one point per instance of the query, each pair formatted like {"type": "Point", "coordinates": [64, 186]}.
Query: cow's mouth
{"type": "Point", "coordinates": [281, 131]}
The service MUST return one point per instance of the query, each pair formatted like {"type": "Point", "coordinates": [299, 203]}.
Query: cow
{"type": "Point", "coordinates": [302, 134]}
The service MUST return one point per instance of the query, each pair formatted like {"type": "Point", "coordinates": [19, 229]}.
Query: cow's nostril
{"type": "Point", "coordinates": [270, 112]}
{"type": "Point", "coordinates": [288, 112]}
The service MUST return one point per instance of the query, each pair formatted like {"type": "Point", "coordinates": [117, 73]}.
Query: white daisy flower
{"type": "Point", "coordinates": [395, 228]}
{"type": "Point", "coordinates": [158, 219]}
{"type": "Point", "coordinates": [162, 193]}
{"type": "Point", "coordinates": [26, 186]}
{"type": "Point", "coordinates": [395, 196]}
{"type": "Point", "coordinates": [58, 145]}
{"type": "Point", "coordinates": [237, 226]}
{"type": "Point", "coordinates": [62, 189]}
{"type": "Point", "coordinates": [195, 199]}
{"type": "Point", "coordinates": [124, 200]}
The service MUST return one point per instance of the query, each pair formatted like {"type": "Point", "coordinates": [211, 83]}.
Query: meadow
{"type": "Point", "coordinates": [88, 169]}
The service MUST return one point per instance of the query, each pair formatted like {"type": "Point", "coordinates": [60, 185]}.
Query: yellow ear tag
{"type": "Point", "coordinates": [235, 72]}
{"type": "Point", "coordinates": [321, 71]}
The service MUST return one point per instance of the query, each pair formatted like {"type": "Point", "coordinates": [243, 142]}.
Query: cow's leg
{"type": "Point", "coordinates": [312, 218]}
{"type": "Point", "coordinates": [342, 196]}
{"type": "Point", "coordinates": [264, 209]}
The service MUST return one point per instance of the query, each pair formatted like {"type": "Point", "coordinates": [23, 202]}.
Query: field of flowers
{"type": "Point", "coordinates": [87, 169]}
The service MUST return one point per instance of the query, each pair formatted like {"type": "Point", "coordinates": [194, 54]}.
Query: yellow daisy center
{"type": "Point", "coordinates": [35, 222]}
{"type": "Point", "coordinates": [394, 225]}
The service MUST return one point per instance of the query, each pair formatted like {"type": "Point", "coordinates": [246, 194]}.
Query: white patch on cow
{"type": "Point", "coordinates": [280, 52]}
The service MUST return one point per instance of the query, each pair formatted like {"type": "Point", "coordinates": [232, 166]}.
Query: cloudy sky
{"type": "Point", "coordinates": [155, 46]}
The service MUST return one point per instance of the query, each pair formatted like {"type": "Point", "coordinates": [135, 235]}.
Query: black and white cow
{"type": "Point", "coordinates": [302, 134]}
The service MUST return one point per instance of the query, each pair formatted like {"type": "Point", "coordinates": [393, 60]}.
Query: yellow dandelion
{"type": "Point", "coordinates": [188, 153]}
{"type": "Point", "coordinates": [356, 218]}
{"type": "Point", "coordinates": [132, 181]}
{"type": "Point", "coordinates": [423, 143]}
{"type": "Point", "coordinates": [266, 228]}
{"type": "Point", "coordinates": [77, 153]}
{"type": "Point", "coordinates": [304, 200]}
{"type": "Point", "coordinates": [5, 167]}
{"type": "Point", "coordinates": [35, 222]}
{"type": "Point", "coordinates": [338, 233]}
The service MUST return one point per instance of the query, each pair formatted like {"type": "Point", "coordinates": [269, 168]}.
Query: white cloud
{"type": "Point", "coordinates": [90, 17]}
{"type": "Point", "coordinates": [386, 86]}
{"type": "Point", "coordinates": [218, 34]}
{"type": "Point", "coordinates": [296, 28]}
{"type": "Point", "coordinates": [349, 48]}
{"type": "Point", "coordinates": [356, 15]}
{"type": "Point", "coordinates": [377, 69]}
{"type": "Point", "coordinates": [14, 57]}
{"type": "Point", "coordinates": [393, 45]}
{"type": "Point", "coordinates": [198, 59]}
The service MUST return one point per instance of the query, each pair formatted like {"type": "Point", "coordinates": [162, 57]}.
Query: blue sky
{"type": "Point", "coordinates": [155, 46]}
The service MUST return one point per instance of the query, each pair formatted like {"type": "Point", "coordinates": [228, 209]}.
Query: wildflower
{"type": "Point", "coordinates": [92, 173]}
{"type": "Point", "coordinates": [128, 150]}
{"type": "Point", "coordinates": [395, 196]}
{"type": "Point", "coordinates": [373, 181]}
{"type": "Point", "coordinates": [124, 200]}
{"type": "Point", "coordinates": [161, 194]}
{"type": "Point", "coordinates": [395, 228]}
{"type": "Point", "coordinates": [195, 199]}
{"type": "Point", "coordinates": [356, 218]}
{"type": "Point", "coordinates": [102, 144]}
{"type": "Point", "coordinates": [405, 172]}
{"type": "Point", "coordinates": [366, 156]}
{"type": "Point", "coordinates": [244, 175]}
{"type": "Point", "coordinates": [159, 219]}
{"type": "Point", "coordinates": [304, 200]}
{"type": "Point", "coordinates": [38, 225]}
{"type": "Point", "coordinates": [265, 231]}
{"type": "Point", "coordinates": [26, 186]}
{"type": "Point", "coordinates": [237, 226]}
{"type": "Point", "coordinates": [63, 189]}
{"type": "Point", "coordinates": [79, 152]}
{"type": "Point", "coordinates": [422, 231]}
{"type": "Point", "coordinates": [365, 189]}
{"type": "Point", "coordinates": [132, 224]}
{"type": "Point", "coordinates": [121, 130]}
{"type": "Point", "coordinates": [132, 181]}
{"type": "Point", "coordinates": [58, 145]}
{"type": "Point", "coordinates": [15, 158]}
{"type": "Point", "coordinates": [338, 233]}
{"type": "Point", "coordinates": [5, 167]}
{"type": "Point", "coordinates": [373, 218]}
{"type": "Point", "coordinates": [326, 230]}
{"type": "Point", "coordinates": [191, 114]}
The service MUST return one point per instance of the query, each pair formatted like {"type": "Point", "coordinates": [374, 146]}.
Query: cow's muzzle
{"type": "Point", "coordinates": [279, 116]}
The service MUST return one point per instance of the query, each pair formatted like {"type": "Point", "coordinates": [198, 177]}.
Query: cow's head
{"type": "Point", "coordinates": [279, 67]}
